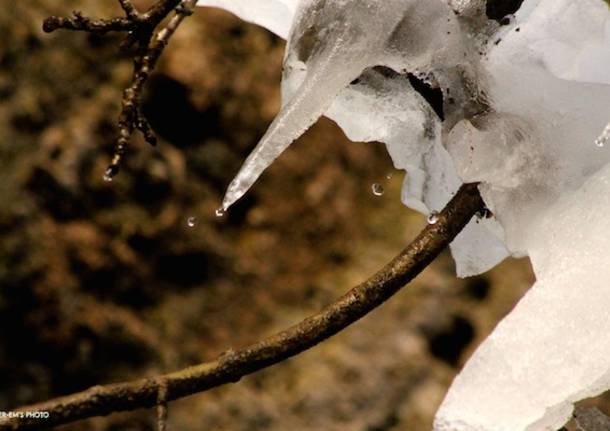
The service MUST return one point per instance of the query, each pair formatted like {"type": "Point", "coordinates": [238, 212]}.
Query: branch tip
{"type": "Point", "coordinates": [148, 46]}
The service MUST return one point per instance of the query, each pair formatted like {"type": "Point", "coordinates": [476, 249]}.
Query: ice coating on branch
{"type": "Point", "coordinates": [567, 48]}
{"type": "Point", "coordinates": [552, 350]}
{"type": "Point", "coordinates": [537, 143]}
{"type": "Point", "coordinates": [549, 186]}
{"type": "Point", "coordinates": [387, 109]}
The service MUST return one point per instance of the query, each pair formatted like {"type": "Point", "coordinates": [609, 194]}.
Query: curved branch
{"type": "Point", "coordinates": [232, 365]}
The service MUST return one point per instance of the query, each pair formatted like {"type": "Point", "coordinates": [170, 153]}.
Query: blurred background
{"type": "Point", "coordinates": [102, 282]}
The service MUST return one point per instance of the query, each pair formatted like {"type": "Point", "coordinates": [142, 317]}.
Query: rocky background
{"type": "Point", "coordinates": [102, 282]}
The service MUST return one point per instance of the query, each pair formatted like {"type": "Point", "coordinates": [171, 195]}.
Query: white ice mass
{"type": "Point", "coordinates": [275, 15]}
{"type": "Point", "coordinates": [524, 106]}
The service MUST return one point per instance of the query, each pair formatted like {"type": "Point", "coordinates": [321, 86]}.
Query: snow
{"type": "Point", "coordinates": [526, 108]}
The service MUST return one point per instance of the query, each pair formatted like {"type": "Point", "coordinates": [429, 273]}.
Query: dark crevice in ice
{"type": "Point", "coordinates": [498, 9]}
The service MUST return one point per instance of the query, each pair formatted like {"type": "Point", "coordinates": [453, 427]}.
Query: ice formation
{"type": "Point", "coordinates": [524, 107]}
{"type": "Point", "coordinates": [552, 349]}
{"type": "Point", "coordinates": [275, 15]}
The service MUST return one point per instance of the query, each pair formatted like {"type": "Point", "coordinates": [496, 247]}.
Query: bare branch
{"type": "Point", "coordinates": [148, 48]}
{"type": "Point", "coordinates": [232, 365]}
{"type": "Point", "coordinates": [79, 22]}
{"type": "Point", "coordinates": [131, 117]}
{"type": "Point", "coordinates": [130, 10]}
{"type": "Point", "coordinates": [162, 8]}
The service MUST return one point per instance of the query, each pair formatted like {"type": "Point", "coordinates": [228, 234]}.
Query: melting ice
{"type": "Point", "coordinates": [524, 104]}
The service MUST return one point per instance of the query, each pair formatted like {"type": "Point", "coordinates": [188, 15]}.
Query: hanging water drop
{"type": "Point", "coordinates": [433, 217]}
{"type": "Point", "coordinates": [220, 212]}
{"type": "Point", "coordinates": [377, 189]}
{"type": "Point", "coordinates": [389, 176]}
{"type": "Point", "coordinates": [603, 139]}
{"type": "Point", "coordinates": [191, 222]}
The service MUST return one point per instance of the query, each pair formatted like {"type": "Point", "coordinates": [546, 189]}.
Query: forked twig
{"type": "Point", "coordinates": [148, 44]}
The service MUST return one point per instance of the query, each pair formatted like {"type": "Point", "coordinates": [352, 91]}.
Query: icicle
{"type": "Point", "coordinates": [335, 69]}
{"type": "Point", "coordinates": [341, 39]}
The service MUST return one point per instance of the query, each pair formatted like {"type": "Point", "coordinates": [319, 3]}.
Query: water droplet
{"type": "Point", "coordinates": [389, 176]}
{"type": "Point", "coordinates": [220, 212]}
{"type": "Point", "coordinates": [191, 222]}
{"type": "Point", "coordinates": [377, 189]}
{"type": "Point", "coordinates": [600, 142]}
{"type": "Point", "coordinates": [433, 217]}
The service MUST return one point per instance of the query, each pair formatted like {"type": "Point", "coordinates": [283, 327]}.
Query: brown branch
{"type": "Point", "coordinates": [79, 22]}
{"type": "Point", "coordinates": [148, 48]}
{"type": "Point", "coordinates": [130, 10]}
{"type": "Point", "coordinates": [232, 365]}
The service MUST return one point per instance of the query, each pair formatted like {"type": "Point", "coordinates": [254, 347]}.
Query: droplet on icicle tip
{"type": "Point", "coordinates": [221, 212]}
{"type": "Point", "coordinates": [433, 217]}
{"type": "Point", "coordinates": [191, 221]}
{"type": "Point", "coordinates": [377, 189]}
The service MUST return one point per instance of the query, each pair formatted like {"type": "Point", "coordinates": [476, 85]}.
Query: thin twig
{"type": "Point", "coordinates": [148, 48]}
{"type": "Point", "coordinates": [131, 117]}
{"type": "Point", "coordinates": [130, 10]}
{"type": "Point", "coordinates": [232, 365]}
{"type": "Point", "coordinates": [79, 22]}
